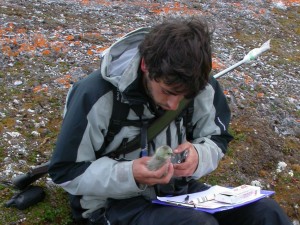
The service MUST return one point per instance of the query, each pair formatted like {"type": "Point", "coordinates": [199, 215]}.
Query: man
{"type": "Point", "coordinates": [156, 69]}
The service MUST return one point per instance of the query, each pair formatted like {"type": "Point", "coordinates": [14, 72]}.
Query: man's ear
{"type": "Point", "coordinates": [143, 66]}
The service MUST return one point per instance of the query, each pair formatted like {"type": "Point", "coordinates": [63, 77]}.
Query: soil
{"type": "Point", "coordinates": [46, 45]}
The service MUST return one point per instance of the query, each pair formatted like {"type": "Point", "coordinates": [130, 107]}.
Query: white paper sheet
{"type": "Point", "coordinates": [211, 204]}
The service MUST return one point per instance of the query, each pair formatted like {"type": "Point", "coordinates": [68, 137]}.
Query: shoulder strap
{"type": "Point", "coordinates": [187, 120]}
{"type": "Point", "coordinates": [118, 120]}
{"type": "Point", "coordinates": [153, 130]}
{"type": "Point", "coordinates": [119, 113]}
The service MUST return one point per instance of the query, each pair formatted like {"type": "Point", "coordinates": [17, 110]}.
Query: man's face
{"type": "Point", "coordinates": [163, 95]}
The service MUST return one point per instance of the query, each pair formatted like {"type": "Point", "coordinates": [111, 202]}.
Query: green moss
{"type": "Point", "coordinates": [237, 135]}
{"type": "Point", "coordinates": [54, 209]}
{"type": "Point", "coordinates": [48, 63]}
{"type": "Point", "coordinates": [2, 153]}
{"type": "Point", "coordinates": [26, 72]}
{"type": "Point", "coordinates": [8, 122]}
{"type": "Point", "coordinates": [64, 67]}
{"type": "Point", "coordinates": [230, 152]}
{"type": "Point", "coordinates": [2, 187]}
{"type": "Point", "coordinates": [288, 19]}
{"type": "Point", "coordinates": [12, 11]}
{"type": "Point", "coordinates": [18, 64]}
{"type": "Point", "coordinates": [290, 146]}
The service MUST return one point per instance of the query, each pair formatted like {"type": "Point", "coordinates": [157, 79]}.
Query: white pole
{"type": "Point", "coordinates": [252, 55]}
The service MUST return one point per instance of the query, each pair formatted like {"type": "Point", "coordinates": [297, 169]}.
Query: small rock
{"type": "Point", "coordinates": [18, 82]}
{"type": "Point", "coordinates": [35, 133]}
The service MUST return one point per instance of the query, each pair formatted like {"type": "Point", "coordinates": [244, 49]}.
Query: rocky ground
{"type": "Point", "coordinates": [45, 45]}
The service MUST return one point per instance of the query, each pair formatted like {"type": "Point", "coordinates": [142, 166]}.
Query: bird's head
{"type": "Point", "coordinates": [164, 152]}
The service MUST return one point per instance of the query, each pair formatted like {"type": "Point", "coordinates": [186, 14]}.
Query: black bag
{"type": "Point", "coordinates": [28, 197]}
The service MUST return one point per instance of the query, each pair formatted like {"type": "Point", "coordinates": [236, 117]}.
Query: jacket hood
{"type": "Point", "coordinates": [120, 63]}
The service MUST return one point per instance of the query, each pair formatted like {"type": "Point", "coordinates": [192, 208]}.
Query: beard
{"type": "Point", "coordinates": [149, 91]}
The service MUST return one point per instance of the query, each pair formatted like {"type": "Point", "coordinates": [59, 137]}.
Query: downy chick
{"type": "Point", "coordinates": [162, 154]}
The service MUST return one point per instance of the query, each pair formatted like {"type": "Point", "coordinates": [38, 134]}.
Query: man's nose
{"type": "Point", "coordinates": [173, 101]}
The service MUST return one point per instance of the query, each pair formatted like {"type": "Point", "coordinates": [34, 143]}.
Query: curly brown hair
{"type": "Point", "coordinates": [178, 52]}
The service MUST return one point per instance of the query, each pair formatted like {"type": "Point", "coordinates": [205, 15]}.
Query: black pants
{"type": "Point", "coordinates": [138, 211]}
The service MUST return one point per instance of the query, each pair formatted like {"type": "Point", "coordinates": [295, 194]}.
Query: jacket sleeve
{"type": "Point", "coordinates": [73, 164]}
{"type": "Point", "coordinates": [211, 119]}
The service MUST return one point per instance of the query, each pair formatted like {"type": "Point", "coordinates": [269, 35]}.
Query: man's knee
{"type": "Point", "coordinates": [173, 215]}
{"type": "Point", "coordinates": [263, 212]}
{"type": "Point", "coordinates": [198, 217]}
{"type": "Point", "coordinates": [269, 206]}
{"type": "Point", "coordinates": [269, 210]}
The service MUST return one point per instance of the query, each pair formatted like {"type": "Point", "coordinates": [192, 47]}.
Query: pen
{"type": "Point", "coordinates": [180, 204]}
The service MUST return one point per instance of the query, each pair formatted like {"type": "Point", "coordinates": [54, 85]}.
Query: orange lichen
{"type": "Point", "coordinates": [170, 8]}
{"type": "Point", "coordinates": [85, 2]}
{"type": "Point", "coordinates": [226, 92]}
{"type": "Point", "coordinates": [2, 32]}
{"type": "Point", "coordinates": [21, 30]}
{"type": "Point", "coordinates": [70, 38]}
{"type": "Point", "coordinates": [40, 41]}
{"type": "Point", "coordinates": [260, 95]}
{"type": "Point", "coordinates": [6, 50]}
{"type": "Point", "coordinates": [90, 52]}
{"type": "Point", "coordinates": [216, 64]}
{"type": "Point", "coordinates": [12, 41]}
{"type": "Point", "coordinates": [40, 88]}
{"type": "Point", "coordinates": [25, 47]}
{"type": "Point", "coordinates": [57, 46]}
{"type": "Point", "coordinates": [64, 81]}
{"type": "Point", "coordinates": [46, 52]}
{"type": "Point", "coordinates": [77, 43]}
{"type": "Point", "coordinates": [101, 49]}
{"type": "Point", "coordinates": [248, 79]}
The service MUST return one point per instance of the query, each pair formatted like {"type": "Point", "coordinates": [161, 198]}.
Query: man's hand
{"type": "Point", "coordinates": [189, 166]}
{"type": "Point", "coordinates": [143, 175]}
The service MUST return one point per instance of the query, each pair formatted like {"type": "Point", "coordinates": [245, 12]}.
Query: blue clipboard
{"type": "Point", "coordinates": [265, 194]}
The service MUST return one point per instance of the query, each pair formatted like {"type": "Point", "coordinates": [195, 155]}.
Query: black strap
{"type": "Point", "coordinates": [120, 112]}
{"type": "Point", "coordinates": [179, 132]}
{"type": "Point", "coordinates": [168, 135]}
{"type": "Point", "coordinates": [187, 120]}
{"type": "Point", "coordinates": [139, 111]}
{"type": "Point", "coordinates": [118, 120]}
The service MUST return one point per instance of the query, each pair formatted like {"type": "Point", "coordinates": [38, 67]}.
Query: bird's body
{"type": "Point", "coordinates": [160, 157]}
